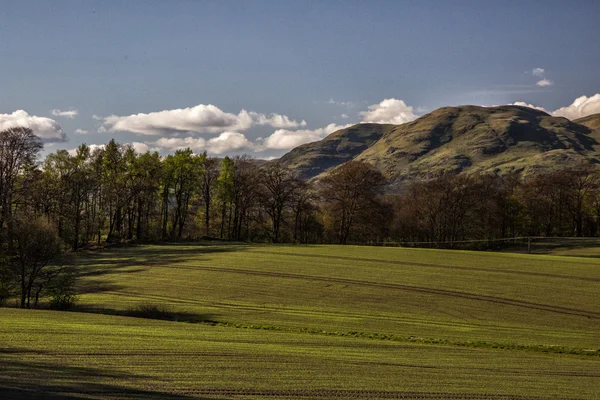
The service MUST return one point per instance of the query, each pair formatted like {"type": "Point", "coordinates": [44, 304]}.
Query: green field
{"type": "Point", "coordinates": [266, 321]}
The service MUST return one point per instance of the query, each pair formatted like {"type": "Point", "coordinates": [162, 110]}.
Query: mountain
{"type": "Point", "coordinates": [591, 121]}
{"type": "Point", "coordinates": [481, 139]}
{"type": "Point", "coordinates": [461, 139]}
{"type": "Point", "coordinates": [314, 158]}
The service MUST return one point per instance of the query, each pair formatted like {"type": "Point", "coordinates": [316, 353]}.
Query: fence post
{"type": "Point", "coordinates": [528, 245]}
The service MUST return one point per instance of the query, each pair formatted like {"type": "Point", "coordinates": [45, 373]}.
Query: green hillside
{"type": "Point", "coordinates": [482, 139]}
{"type": "Point", "coordinates": [314, 158]}
{"type": "Point", "coordinates": [591, 121]}
{"type": "Point", "coordinates": [314, 321]}
{"type": "Point", "coordinates": [457, 139]}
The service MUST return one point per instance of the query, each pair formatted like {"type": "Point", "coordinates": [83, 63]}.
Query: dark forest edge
{"type": "Point", "coordinates": [114, 195]}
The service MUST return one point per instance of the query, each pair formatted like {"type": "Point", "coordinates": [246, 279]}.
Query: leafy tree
{"type": "Point", "coordinates": [210, 174]}
{"type": "Point", "coordinates": [37, 257]}
{"type": "Point", "coordinates": [19, 148]}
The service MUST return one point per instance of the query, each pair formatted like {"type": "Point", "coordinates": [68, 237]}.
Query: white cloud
{"type": "Point", "coordinates": [140, 147]}
{"type": "Point", "coordinates": [67, 114]}
{"type": "Point", "coordinates": [541, 73]}
{"type": "Point", "coordinates": [93, 147]}
{"type": "Point", "coordinates": [46, 128]}
{"type": "Point", "coordinates": [201, 119]}
{"type": "Point", "coordinates": [198, 119]}
{"type": "Point", "coordinates": [523, 104]}
{"type": "Point", "coordinates": [81, 131]}
{"type": "Point", "coordinates": [389, 111]}
{"type": "Point", "coordinates": [544, 83]}
{"type": "Point", "coordinates": [581, 107]}
{"type": "Point", "coordinates": [538, 72]}
{"type": "Point", "coordinates": [344, 116]}
{"type": "Point", "coordinates": [172, 144]}
{"type": "Point", "coordinates": [97, 117]}
{"type": "Point", "coordinates": [283, 139]}
{"type": "Point", "coordinates": [349, 104]}
{"type": "Point", "coordinates": [275, 120]}
{"type": "Point", "coordinates": [224, 143]}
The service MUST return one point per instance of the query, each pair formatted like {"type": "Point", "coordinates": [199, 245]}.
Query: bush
{"type": "Point", "coordinates": [61, 291]}
{"type": "Point", "coordinates": [63, 301]}
{"type": "Point", "coordinates": [152, 311]}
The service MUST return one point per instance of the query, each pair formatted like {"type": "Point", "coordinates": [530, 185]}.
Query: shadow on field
{"type": "Point", "coordinates": [150, 311]}
{"type": "Point", "coordinates": [134, 259]}
{"type": "Point", "coordinates": [34, 380]}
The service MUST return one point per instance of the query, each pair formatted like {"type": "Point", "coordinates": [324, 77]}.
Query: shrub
{"type": "Point", "coordinates": [153, 311]}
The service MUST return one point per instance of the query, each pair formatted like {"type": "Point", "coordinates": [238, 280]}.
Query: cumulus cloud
{"type": "Point", "coordinates": [228, 141]}
{"type": "Point", "coordinates": [93, 147]}
{"type": "Point", "coordinates": [581, 107]}
{"type": "Point", "coordinates": [201, 119]}
{"type": "Point", "coordinates": [224, 143]}
{"type": "Point", "coordinates": [81, 131]}
{"type": "Point", "coordinates": [389, 111]}
{"type": "Point", "coordinates": [275, 120]}
{"type": "Point", "coordinates": [283, 139]}
{"type": "Point", "coordinates": [67, 114]}
{"type": "Point", "coordinates": [523, 104]}
{"type": "Point", "coordinates": [344, 116]}
{"type": "Point", "coordinates": [46, 128]}
{"type": "Point", "coordinates": [140, 147]}
{"type": "Point", "coordinates": [538, 72]}
{"type": "Point", "coordinates": [198, 119]}
{"type": "Point", "coordinates": [544, 83]}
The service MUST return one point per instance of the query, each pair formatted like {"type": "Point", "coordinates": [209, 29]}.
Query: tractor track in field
{"type": "Point", "coordinates": [426, 265]}
{"type": "Point", "coordinates": [353, 394]}
{"type": "Point", "coordinates": [417, 289]}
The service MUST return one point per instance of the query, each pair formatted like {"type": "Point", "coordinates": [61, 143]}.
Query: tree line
{"type": "Point", "coordinates": [113, 194]}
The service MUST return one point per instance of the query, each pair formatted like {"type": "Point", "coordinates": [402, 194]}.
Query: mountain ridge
{"type": "Point", "coordinates": [463, 139]}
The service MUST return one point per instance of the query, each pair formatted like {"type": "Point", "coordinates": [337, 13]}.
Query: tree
{"type": "Point", "coordinates": [225, 189]}
{"type": "Point", "coordinates": [351, 189]}
{"type": "Point", "coordinates": [210, 173]}
{"type": "Point", "coordinates": [279, 187]}
{"type": "Point", "coordinates": [19, 148]}
{"type": "Point", "coordinates": [37, 256]}
{"type": "Point", "coordinates": [182, 172]}
{"type": "Point", "coordinates": [147, 174]}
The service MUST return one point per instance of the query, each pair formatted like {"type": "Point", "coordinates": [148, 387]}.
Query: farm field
{"type": "Point", "coordinates": [271, 321]}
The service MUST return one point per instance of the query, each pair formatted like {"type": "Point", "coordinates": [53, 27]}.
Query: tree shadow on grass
{"type": "Point", "coordinates": [151, 311]}
{"type": "Point", "coordinates": [95, 265]}
{"type": "Point", "coordinates": [22, 380]}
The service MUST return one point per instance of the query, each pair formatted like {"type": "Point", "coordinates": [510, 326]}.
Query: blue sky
{"type": "Point", "coordinates": [197, 64]}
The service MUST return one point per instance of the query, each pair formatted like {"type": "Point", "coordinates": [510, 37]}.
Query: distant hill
{"type": "Point", "coordinates": [461, 139]}
{"type": "Point", "coordinates": [314, 158]}
{"type": "Point", "coordinates": [591, 121]}
{"type": "Point", "coordinates": [481, 139]}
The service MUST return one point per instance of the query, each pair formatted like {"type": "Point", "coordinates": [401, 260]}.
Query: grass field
{"type": "Point", "coordinates": [313, 322]}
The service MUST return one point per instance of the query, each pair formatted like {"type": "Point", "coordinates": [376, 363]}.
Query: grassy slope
{"type": "Point", "coordinates": [591, 121]}
{"type": "Point", "coordinates": [312, 159]}
{"type": "Point", "coordinates": [302, 317]}
{"type": "Point", "coordinates": [481, 139]}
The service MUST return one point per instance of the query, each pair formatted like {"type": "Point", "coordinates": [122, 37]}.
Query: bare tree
{"type": "Point", "coordinates": [279, 186]}
{"type": "Point", "coordinates": [351, 189]}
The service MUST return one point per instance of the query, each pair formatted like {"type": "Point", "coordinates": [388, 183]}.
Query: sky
{"type": "Point", "coordinates": [261, 77]}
